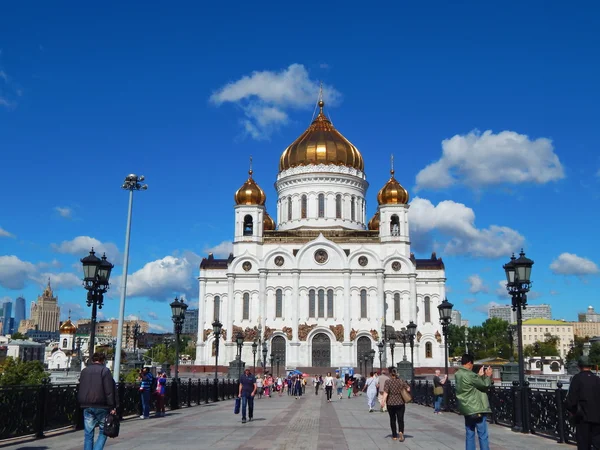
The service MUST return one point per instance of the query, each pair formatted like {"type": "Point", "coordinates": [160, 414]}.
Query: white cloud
{"type": "Point", "coordinates": [221, 250]}
{"type": "Point", "coordinates": [4, 233]}
{"type": "Point", "coordinates": [81, 245]}
{"type": "Point", "coordinates": [77, 311]}
{"type": "Point", "coordinates": [14, 273]}
{"type": "Point", "coordinates": [265, 96]}
{"type": "Point", "coordinates": [470, 301]}
{"type": "Point", "coordinates": [132, 317]}
{"type": "Point", "coordinates": [553, 292]}
{"type": "Point", "coordinates": [476, 284]}
{"type": "Point", "coordinates": [62, 280]}
{"type": "Point", "coordinates": [479, 160]}
{"type": "Point", "coordinates": [156, 328]}
{"type": "Point", "coordinates": [571, 264]}
{"type": "Point", "coordinates": [55, 263]}
{"type": "Point", "coordinates": [484, 308]}
{"type": "Point", "coordinates": [64, 211]}
{"type": "Point", "coordinates": [152, 315]}
{"type": "Point", "coordinates": [457, 222]}
{"type": "Point", "coordinates": [501, 289]}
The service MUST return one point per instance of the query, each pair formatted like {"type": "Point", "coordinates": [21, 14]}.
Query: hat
{"type": "Point", "coordinates": [584, 361]}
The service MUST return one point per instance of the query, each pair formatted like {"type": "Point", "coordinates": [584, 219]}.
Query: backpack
{"type": "Point", "coordinates": [111, 425]}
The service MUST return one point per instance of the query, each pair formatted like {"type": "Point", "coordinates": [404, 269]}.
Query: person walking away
{"type": "Point", "coordinates": [146, 379]}
{"type": "Point", "coordinates": [380, 384]}
{"type": "Point", "coordinates": [339, 385]}
{"type": "Point", "coordinates": [392, 398]}
{"type": "Point", "coordinates": [97, 397]}
{"type": "Point", "coordinates": [583, 402]}
{"type": "Point", "coordinates": [161, 384]}
{"type": "Point", "coordinates": [473, 403]}
{"type": "Point", "coordinates": [438, 391]}
{"type": "Point", "coordinates": [371, 388]}
{"type": "Point", "coordinates": [247, 393]}
{"type": "Point", "coordinates": [328, 382]}
{"type": "Point", "coordinates": [316, 384]}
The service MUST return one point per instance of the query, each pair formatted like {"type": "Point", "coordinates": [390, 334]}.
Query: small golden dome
{"type": "Point", "coordinates": [250, 193]}
{"type": "Point", "coordinates": [321, 143]}
{"type": "Point", "coordinates": [392, 193]}
{"type": "Point", "coordinates": [373, 224]}
{"type": "Point", "coordinates": [268, 223]}
{"type": "Point", "coordinates": [68, 327]}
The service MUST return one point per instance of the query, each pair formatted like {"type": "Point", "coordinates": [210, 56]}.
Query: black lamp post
{"type": "Point", "coordinates": [272, 358]}
{"type": "Point", "coordinates": [254, 350]}
{"type": "Point", "coordinates": [217, 327]}
{"type": "Point", "coordinates": [265, 351]}
{"type": "Point", "coordinates": [96, 273]}
{"type": "Point", "coordinates": [239, 340]}
{"type": "Point", "coordinates": [445, 310]}
{"type": "Point", "coordinates": [518, 277]}
{"type": "Point", "coordinates": [372, 359]}
{"type": "Point", "coordinates": [360, 365]}
{"type": "Point", "coordinates": [392, 341]}
{"type": "Point", "coordinates": [178, 309]}
{"type": "Point", "coordinates": [366, 358]}
{"type": "Point", "coordinates": [412, 333]}
{"type": "Point", "coordinates": [511, 336]}
{"type": "Point", "coordinates": [403, 337]}
{"type": "Point", "coordinates": [277, 360]}
{"type": "Point", "coordinates": [136, 334]}
{"type": "Point", "coordinates": [380, 346]}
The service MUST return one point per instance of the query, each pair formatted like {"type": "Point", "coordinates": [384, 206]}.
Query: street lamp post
{"type": "Point", "coordinates": [178, 309]}
{"type": "Point", "coordinates": [518, 277]}
{"type": "Point", "coordinates": [239, 340]}
{"type": "Point", "coordinates": [265, 351]}
{"type": "Point", "coordinates": [366, 358]}
{"type": "Point", "coordinates": [372, 359]}
{"type": "Point", "coordinates": [217, 326]}
{"type": "Point", "coordinates": [136, 334]}
{"type": "Point", "coordinates": [254, 350]}
{"type": "Point", "coordinates": [96, 273]}
{"type": "Point", "coordinates": [272, 358]}
{"type": "Point", "coordinates": [412, 333]}
{"type": "Point", "coordinates": [132, 183]}
{"type": "Point", "coordinates": [403, 336]}
{"type": "Point", "coordinates": [392, 340]}
{"type": "Point", "coordinates": [277, 360]}
{"type": "Point", "coordinates": [511, 336]}
{"type": "Point", "coordinates": [380, 346]}
{"type": "Point", "coordinates": [360, 365]}
{"type": "Point", "coordinates": [445, 310]}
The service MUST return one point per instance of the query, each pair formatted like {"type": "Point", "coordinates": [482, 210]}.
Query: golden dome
{"type": "Point", "coordinates": [374, 222]}
{"type": "Point", "coordinates": [68, 327]}
{"type": "Point", "coordinates": [250, 193]}
{"type": "Point", "coordinates": [268, 223]}
{"type": "Point", "coordinates": [321, 143]}
{"type": "Point", "coordinates": [392, 193]}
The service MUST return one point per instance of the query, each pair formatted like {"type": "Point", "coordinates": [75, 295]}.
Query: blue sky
{"type": "Point", "coordinates": [491, 113]}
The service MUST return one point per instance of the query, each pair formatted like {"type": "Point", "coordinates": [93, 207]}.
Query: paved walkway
{"type": "Point", "coordinates": [309, 423]}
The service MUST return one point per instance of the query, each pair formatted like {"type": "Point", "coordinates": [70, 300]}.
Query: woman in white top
{"type": "Point", "coordinates": [371, 388]}
{"type": "Point", "coordinates": [259, 386]}
{"type": "Point", "coordinates": [328, 382]}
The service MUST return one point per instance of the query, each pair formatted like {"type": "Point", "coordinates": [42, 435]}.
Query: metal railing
{"type": "Point", "coordinates": [35, 410]}
{"type": "Point", "coordinates": [546, 412]}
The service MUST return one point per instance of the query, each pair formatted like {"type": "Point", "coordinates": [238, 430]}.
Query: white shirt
{"type": "Point", "coordinates": [328, 381]}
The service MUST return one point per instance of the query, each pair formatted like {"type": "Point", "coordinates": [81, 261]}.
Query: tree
{"type": "Point", "coordinates": [456, 339]}
{"type": "Point", "coordinates": [577, 350]}
{"type": "Point", "coordinates": [132, 376]}
{"type": "Point", "coordinates": [16, 372]}
{"type": "Point", "coordinates": [595, 354]}
{"type": "Point", "coordinates": [548, 347]}
{"type": "Point", "coordinates": [17, 335]}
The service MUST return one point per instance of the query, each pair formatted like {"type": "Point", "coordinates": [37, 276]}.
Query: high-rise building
{"type": "Point", "coordinates": [456, 318]}
{"type": "Point", "coordinates": [505, 312]}
{"type": "Point", "coordinates": [589, 316]}
{"type": "Point", "coordinates": [190, 324]}
{"type": "Point", "coordinates": [45, 313]}
{"type": "Point", "coordinates": [19, 312]}
{"type": "Point", "coordinates": [7, 311]}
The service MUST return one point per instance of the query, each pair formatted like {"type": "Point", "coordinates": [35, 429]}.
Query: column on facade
{"type": "Point", "coordinates": [230, 307]}
{"type": "Point", "coordinates": [201, 310]}
{"type": "Point", "coordinates": [295, 303]}
{"type": "Point", "coordinates": [412, 281]}
{"type": "Point", "coordinates": [381, 292]}
{"type": "Point", "coordinates": [262, 297]}
{"type": "Point", "coordinates": [346, 274]}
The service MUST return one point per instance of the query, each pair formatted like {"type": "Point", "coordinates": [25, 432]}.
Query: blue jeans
{"type": "Point", "coordinates": [91, 418]}
{"type": "Point", "coordinates": [482, 432]}
{"type": "Point", "coordinates": [438, 403]}
{"type": "Point", "coordinates": [145, 402]}
{"type": "Point", "coordinates": [247, 399]}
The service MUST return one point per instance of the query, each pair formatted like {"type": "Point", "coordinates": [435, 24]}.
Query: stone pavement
{"type": "Point", "coordinates": [285, 423]}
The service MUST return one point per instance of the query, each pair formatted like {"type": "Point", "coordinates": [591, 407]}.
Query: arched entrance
{"type": "Point", "coordinates": [363, 347]}
{"type": "Point", "coordinates": [321, 350]}
{"type": "Point", "coordinates": [278, 350]}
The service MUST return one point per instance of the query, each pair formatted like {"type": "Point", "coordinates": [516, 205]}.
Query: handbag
{"type": "Point", "coordinates": [236, 406]}
{"type": "Point", "coordinates": [111, 425]}
{"type": "Point", "coordinates": [406, 397]}
{"type": "Point", "coordinates": [438, 390]}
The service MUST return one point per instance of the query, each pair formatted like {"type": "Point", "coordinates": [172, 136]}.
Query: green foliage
{"type": "Point", "coordinates": [490, 339]}
{"type": "Point", "coordinates": [595, 354]}
{"type": "Point", "coordinates": [15, 372]}
{"type": "Point", "coordinates": [577, 350]}
{"type": "Point", "coordinates": [549, 347]}
{"type": "Point", "coordinates": [132, 376]}
{"type": "Point", "coordinates": [17, 335]}
{"type": "Point", "coordinates": [160, 353]}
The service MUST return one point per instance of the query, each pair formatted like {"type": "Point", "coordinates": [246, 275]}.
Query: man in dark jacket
{"type": "Point", "coordinates": [97, 397]}
{"type": "Point", "coordinates": [583, 401]}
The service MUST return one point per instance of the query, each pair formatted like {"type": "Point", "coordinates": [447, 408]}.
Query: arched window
{"type": "Point", "coordinates": [353, 208]}
{"type": "Point", "coordinates": [330, 303]}
{"type": "Point", "coordinates": [248, 225]}
{"type": "Point", "coordinates": [311, 303]}
{"type": "Point", "coordinates": [321, 303]}
{"type": "Point", "coordinates": [427, 302]}
{"type": "Point", "coordinates": [216, 307]}
{"type": "Point", "coordinates": [395, 225]}
{"type": "Point", "coordinates": [338, 206]}
{"type": "Point", "coordinates": [65, 343]}
{"type": "Point", "coordinates": [246, 307]}
{"type": "Point", "coordinates": [428, 350]}
{"type": "Point", "coordinates": [321, 205]}
{"type": "Point", "coordinates": [396, 306]}
{"type": "Point", "coordinates": [363, 303]}
{"type": "Point", "coordinates": [304, 207]}
{"type": "Point", "coordinates": [289, 209]}
{"type": "Point", "coordinates": [278, 303]}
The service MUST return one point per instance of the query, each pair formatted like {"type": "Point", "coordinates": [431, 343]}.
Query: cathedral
{"type": "Point", "coordinates": [320, 285]}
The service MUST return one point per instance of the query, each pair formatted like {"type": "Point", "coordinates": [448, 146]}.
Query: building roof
{"type": "Point", "coordinates": [22, 343]}
{"type": "Point", "coordinates": [544, 322]}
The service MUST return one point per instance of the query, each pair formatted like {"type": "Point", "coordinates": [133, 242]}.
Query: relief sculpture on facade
{"type": "Point", "coordinates": [288, 332]}
{"type": "Point", "coordinates": [251, 334]}
{"type": "Point", "coordinates": [303, 331]}
{"type": "Point", "coordinates": [353, 334]}
{"type": "Point", "coordinates": [419, 336]}
{"type": "Point", "coordinates": [375, 335]}
{"type": "Point", "coordinates": [338, 331]}
{"type": "Point", "coordinates": [207, 333]}
{"type": "Point", "coordinates": [438, 337]}
{"type": "Point", "coordinates": [236, 330]}
{"type": "Point", "coordinates": [268, 333]}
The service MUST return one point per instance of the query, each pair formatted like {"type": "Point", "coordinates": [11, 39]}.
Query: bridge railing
{"type": "Point", "coordinates": [35, 410]}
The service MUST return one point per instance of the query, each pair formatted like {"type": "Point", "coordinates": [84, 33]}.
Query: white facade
{"type": "Point", "coordinates": [321, 286]}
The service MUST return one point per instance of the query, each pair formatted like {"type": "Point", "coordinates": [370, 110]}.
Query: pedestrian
{"type": "Point", "coordinates": [297, 386]}
{"type": "Point", "coordinates": [339, 385]}
{"type": "Point", "coordinates": [371, 389]}
{"type": "Point", "coordinates": [97, 397]}
{"type": "Point", "coordinates": [259, 386]}
{"type": "Point", "coordinates": [392, 398]}
{"type": "Point", "coordinates": [146, 379]}
{"type": "Point", "coordinates": [161, 384]}
{"type": "Point", "coordinates": [438, 391]}
{"type": "Point", "coordinates": [246, 393]}
{"type": "Point", "coordinates": [328, 386]}
{"type": "Point", "coordinates": [473, 403]}
{"type": "Point", "coordinates": [289, 385]}
{"type": "Point", "coordinates": [316, 383]}
{"type": "Point", "coordinates": [583, 402]}
{"type": "Point", "coordinates": [380, 384]}
{"type": "Point", "coordinates": [349, 386]}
